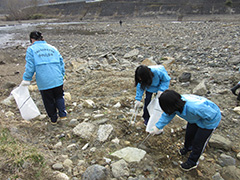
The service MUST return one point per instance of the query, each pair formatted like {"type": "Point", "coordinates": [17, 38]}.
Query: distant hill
{"type": "Point", "coordinates": [138, 8]}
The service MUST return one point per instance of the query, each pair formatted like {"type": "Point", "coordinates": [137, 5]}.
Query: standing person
{"type": "Point", "coordinates": [234, 90]}
{"type": "Point", "coordinates": [152, 79]}
{"type": "Point", "coordinates": [46, 61]}
{"type": "Point", "coordinates": [202, 115]}
{"type": "Point", "coordinates": [120, 22]}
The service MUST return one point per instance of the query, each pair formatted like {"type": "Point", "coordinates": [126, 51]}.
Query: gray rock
{"type": "Point", "coordinates": [230, 173]}
{"type": "Point", "coordinates": [185, 84]}
{"type": "Point", "coordinates": [8, 101]}
{"type": "Point", "coordinates": [185, 77]}
{"type": "Point", "coordinates": [132, 53]}
{"type": "Point", "coordinates": [217, 176]}
{"type": "Point", "coordinates": [217, 141]}
{"type": "Point", "coordinates": [67, 163]}
{"type": "Point", "coordinates": [225, 160]}
{"type": "Point", "coordinates": [130, 154]}
{"type": "Point", "coordinates": [200, 89]}
{"type": "Point", "coordinates": [89, 103]}
{"type": "Point", "coordinates": [57, 166]}
{"type": "Point", "coordinates": [237, 110]}
{"type": "Point", "coordinates": [120, 169]}
{"type": "Point", "coordinates": [96, 172]}
{"type": "Point", "coordinates": [140, 177]}
{"type": "Point", "coordinates": [62, 176]}
{"type": "Point", "coordinates": [238, 156]}
{"type": "Point", "coordinates": [101, 121]}
{"type": "Point", "coordinates": [58, 145]}
{"type": "Point", "coordinates": [84, 130]}
{"type": "Point", "coordinates": [234, 60]}
{"type": "Point", "coordinates": [73, 122]}
{"type": "Point", "coordinates": [104, 131]}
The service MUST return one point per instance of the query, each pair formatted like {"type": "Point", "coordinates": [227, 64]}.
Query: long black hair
{"type": "Point", "coordinates": [143, 75]}
{"type": "Point", "coordinates": [170, 101]}
{"type": "Point", "coordinates": [36, 35]}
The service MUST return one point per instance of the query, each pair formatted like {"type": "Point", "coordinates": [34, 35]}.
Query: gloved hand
{"type": "Point", "coordinates": [137, 104]}
{"type": "Point", "coordinates": [159, 93]}
{"type": "Point", "coordinates": [156, 131]}
{"type": "Point", "coordinates": [25, 83]}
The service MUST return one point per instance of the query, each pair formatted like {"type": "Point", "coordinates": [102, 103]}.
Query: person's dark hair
{"type": "Point", "coordinates": [170, 101]}
{"type": "Point", "coordinates": [36, 35]}
{"type": "Point", "coordinates": [143, 75]}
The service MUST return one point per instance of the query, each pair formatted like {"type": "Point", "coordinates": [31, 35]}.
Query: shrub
{"type": "Point", "coordinates": [228, 3]}
{"type": "Point", "coordinates": [36, 16]}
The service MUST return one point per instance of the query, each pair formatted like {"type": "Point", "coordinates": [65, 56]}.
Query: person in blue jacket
{"type": "Point", "coordinates": [47, 64]}
{"type": "Point", "coordinates": [152, 79]}
{"type": "Point", "coordinates": [202, 115]}
{"type": "Point", "coordinates": [234, 90]}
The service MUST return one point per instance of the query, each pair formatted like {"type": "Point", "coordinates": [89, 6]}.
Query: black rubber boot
{"type": "Point", "coordinates": [238, 98]}
{"type": "Point", "coordinates": [235, 88]}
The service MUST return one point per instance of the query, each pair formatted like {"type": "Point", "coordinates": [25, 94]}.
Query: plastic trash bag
{"type": "Point", "coordinates": [155, 113]}
{"type": "Point", "coordinates": [25, 103]}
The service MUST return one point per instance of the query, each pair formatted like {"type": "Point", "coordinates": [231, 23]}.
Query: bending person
{"type": "Point", "coordinates": [46, 61]}
{"type": "Point", "coordinates": [202, 115]}
{"type": "Point", "coordinates": [152, 79]}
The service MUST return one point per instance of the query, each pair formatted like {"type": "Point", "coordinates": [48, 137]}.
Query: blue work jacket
{"type": "Point", "coordinates": [160, 82]}
{"type": "Point", "coordinates": [46, 61]}
{"type": "Point", "coordinates": [198, 110]}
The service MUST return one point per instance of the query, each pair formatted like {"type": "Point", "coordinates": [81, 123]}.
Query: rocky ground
{"type": "Point", "coordinates": [101, 57]}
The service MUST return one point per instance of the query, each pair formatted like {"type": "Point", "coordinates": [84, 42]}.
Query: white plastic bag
{"type": "Point", "coordinates": [155, 113]}
{"type": "Point", "coordinates": [26, 105]}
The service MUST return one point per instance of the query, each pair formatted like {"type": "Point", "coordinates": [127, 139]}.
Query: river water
{"type": "Point", "coordinates": [18, 34]}
{"type": "Point", "coordinates": [15, 34]}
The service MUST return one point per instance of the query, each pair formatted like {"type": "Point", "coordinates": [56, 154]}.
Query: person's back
{"type": "Point", "coordinates": [203, 117]}
{"type": "Point", "coordinates": [160, 80]}
{"type": "Point", "coordinates": [48, 62]}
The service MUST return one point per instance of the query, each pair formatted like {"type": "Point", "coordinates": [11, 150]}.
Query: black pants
{"type": "Point", "coordinates": [147, 100]}
{"type": "Point", "coordinates": [196, 139]}
{"type": "Point", "coordinates": [53, 100]}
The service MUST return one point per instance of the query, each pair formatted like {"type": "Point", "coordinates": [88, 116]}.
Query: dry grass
{"type": "Point", "coordinates": [19, 160]}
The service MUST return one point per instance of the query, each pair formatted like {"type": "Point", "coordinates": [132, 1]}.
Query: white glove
{"type": "Point", "coordinates": [64, 78]}
{"type": "Point", "coordinates": [156, 131]}
{"type": "Point", "coordinates": [137, 104]}
{"type": "Point", "coordinates": [25, 83]}
{"type": "Point", "coordinates": [159, 93]}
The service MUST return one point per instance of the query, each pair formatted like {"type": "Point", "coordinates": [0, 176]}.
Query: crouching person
{"type": "Point", "coordinates": [151, 79]}
{"type": "Point", "coordinates": [202, 115]}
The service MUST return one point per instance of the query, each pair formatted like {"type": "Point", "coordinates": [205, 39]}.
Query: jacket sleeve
{"type": "Point", "coordinates": [164, 120]}
{"type": "Point", "coordinates": [164, 79]}
{"type": "Point", "coordinates": [30, 66]}
{"type": "Point", "coordinates": [139, 92]}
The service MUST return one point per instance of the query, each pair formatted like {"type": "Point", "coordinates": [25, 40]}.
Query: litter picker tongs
{"type": "Point", "coordinates": [134, 116]}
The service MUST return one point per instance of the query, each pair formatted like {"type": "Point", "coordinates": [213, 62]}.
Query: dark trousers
{"type": "Point", "coordinates": [147, 100]}
{"type": "Point", "coordinates": [53, 100]}
{"type": "Point", "coordinates": [196, 139]}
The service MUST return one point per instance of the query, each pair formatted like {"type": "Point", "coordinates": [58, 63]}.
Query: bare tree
{"type": "Point", "coordinates": [14, 8]}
